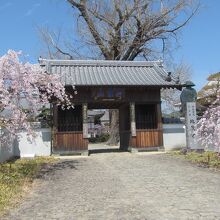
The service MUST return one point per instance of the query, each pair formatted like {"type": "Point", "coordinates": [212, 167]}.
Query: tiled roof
{"type": "Point", "coordinates": [112, 73]}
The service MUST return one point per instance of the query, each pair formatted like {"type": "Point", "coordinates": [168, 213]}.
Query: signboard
{"type": "Point", "coordinates": [191, 125]}
{"type": "Point", "coordinates": [108, 94]}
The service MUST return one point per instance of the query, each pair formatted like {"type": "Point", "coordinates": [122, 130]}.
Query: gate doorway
{"type": "Point", "coordinates": [123, 128]}
{"type": "Point", "coordinates": [99, 121]}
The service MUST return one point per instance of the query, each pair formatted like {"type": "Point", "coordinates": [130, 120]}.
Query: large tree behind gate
{"type": "Point", "coordinates": [124, 30]}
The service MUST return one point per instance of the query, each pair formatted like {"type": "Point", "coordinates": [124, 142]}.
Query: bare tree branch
{"type": "Point", "coordinates": [124, 29]}
{"type": "Point", "coordinates": [82, 7]}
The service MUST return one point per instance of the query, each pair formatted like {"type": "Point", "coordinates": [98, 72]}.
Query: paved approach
{"type": "Point", "coordinates": [123, 186]}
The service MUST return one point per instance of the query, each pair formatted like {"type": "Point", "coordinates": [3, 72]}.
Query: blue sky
{"type": "Point", "coordinates": [199, 40]}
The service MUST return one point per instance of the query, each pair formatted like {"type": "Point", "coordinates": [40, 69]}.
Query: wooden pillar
{"type": "Point", "coordinates": [85, 119]}
{"type": "Point", "coordinates": [159, 117]}
{"type": "Point", "coordinates": [55, 117]}
{"type": "Point", "coordinates": [132, 119]}
{"type": "Point", "coordinates": [159, 125]}
{"type": "Point", "coordinates": [54, 129]}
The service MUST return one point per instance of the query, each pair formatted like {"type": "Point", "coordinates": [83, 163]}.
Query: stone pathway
{"type": "Point", "coordinates": [123, 186]}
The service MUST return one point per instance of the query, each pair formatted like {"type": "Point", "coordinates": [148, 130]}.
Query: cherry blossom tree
{"type": "Point", "coordinates": [209, 93]}
{"type": "Point", "coordinates": [24, 89]}
{"type": "Point", "coordinates": [209, 124]}
{"type": "Point", "coordinates": [209, 127]}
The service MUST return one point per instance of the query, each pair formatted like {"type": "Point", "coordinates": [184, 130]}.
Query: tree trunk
{"type": "Point", "coordinates": [114, 127]}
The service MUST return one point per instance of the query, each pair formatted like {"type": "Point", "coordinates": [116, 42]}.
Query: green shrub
{"type": "Point", "coordinates": [92, 140]}
{"type": "Point", "coordinates": [103, 137]}
{"type": "Point", "coordinates": [99, 139]}
{"type": "Point", "coordinates": [209, 159]}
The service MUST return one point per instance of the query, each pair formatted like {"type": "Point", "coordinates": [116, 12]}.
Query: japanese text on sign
{"type": "Point", "coordinates": [191, 125]}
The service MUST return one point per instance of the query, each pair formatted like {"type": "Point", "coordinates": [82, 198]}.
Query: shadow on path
{"type": "Point", "coordinates": [51, 169]}
{"type": "Point", "coordinates": [109, 150]}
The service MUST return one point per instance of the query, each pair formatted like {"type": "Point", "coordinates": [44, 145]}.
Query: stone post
{"type": "Point", "coordinates": [188, 100]}
{"type": "Point", "coordinates": [191, 126]}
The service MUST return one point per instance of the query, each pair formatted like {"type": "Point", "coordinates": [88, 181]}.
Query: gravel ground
{"type": "Point", "coordinates": [123, 186]}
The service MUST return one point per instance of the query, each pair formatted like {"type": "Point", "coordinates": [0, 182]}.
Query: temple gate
{"type": "Point", "coordinates": [133, 87]}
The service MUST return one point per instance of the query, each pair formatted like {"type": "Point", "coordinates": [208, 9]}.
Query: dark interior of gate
{"type": "Point", "coordinates": [139, 119]}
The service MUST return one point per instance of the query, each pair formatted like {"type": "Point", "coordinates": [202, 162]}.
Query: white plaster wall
{"type": "Point", "coordinates": [40, 146]}
{"type": "Point", "coordinates": [174, 136]}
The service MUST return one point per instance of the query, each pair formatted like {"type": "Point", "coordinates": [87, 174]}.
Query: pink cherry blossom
{"type": "Point", "coordinates": [24, 89]}
{"type": "Point", "coordinates": [209, 127]}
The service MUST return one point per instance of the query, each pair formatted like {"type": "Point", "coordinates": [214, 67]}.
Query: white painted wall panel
{"type": "Point", "coordinates": [41, 146]}
{"type": "Point", "coordinates": [174, 136]}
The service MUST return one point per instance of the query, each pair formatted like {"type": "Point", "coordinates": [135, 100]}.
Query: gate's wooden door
{"type": "Point", "coordinates": [68, 132]}
{"type": "Point", "coordinates": [149, 132]}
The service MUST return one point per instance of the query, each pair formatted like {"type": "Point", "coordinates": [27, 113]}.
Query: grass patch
{"type": "Point", "coordinates": [206, 159]}
{"type": "Point", "coordinates": [15, 176]}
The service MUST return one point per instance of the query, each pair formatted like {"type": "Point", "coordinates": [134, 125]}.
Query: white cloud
{"type": "Point", "coordinates": [31, 10]}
